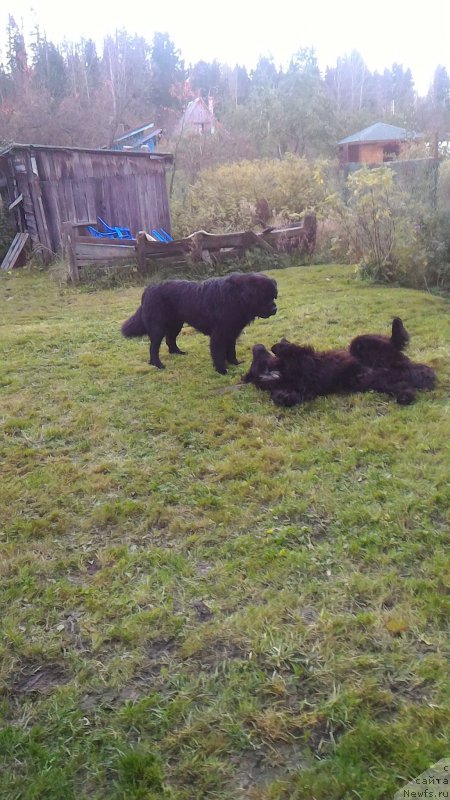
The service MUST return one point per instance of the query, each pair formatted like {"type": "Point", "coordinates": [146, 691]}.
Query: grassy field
{"type": "Point", "coordinates": [206, 596]}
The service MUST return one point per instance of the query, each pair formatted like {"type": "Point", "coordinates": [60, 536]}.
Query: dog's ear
{"type": "Point", "coordinates": [281, 347]}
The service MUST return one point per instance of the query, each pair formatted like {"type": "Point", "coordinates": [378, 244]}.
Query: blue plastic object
{"type": "Point", "coordinates": [98, 234]}
{"type": "Point", "coordinates": [158, 236]}
{"type": "Point", "coordinates": [118, 233]}
{"type": "Point", "coordinates": [161, 235]}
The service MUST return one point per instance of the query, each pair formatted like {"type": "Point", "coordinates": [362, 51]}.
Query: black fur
{"type": "Point", "coordinates": [219, 307]}
{"type": "Point", "coordinates": [294, 374]}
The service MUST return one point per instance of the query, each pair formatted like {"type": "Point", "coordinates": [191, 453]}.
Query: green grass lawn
{"type": "Point", "coordinates": [206, 596]}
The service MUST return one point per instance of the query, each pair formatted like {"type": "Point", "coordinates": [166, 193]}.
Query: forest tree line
{"type": "Point", "coordinates": [74, 94]}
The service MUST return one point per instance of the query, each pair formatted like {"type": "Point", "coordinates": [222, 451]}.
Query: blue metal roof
{"type": "Point", "coordinates": [381, 132]}
{"type": "Point", "coordinates": [140, 137]}
{"type": "Point", "coordinates": [136, 131]}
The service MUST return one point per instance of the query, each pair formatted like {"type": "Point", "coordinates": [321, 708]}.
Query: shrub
{"type": "Point", "coordinates": [227, 197]}
{"type": "Point", "coordinates": [369, 220]}
{"type": "Point", "coordinates": [7, 230]}
{"type": "Point", "coordinates": [393, 229]}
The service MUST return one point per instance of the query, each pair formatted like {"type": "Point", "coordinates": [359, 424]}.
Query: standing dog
{"type": "Point", "coordinates": [218, 307]}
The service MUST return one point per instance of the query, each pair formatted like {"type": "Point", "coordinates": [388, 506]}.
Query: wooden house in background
{"type": "Point", "coordinates": [198, 118]}
{"type": "Point", "coordinates": [376, 145]}
{"type": "Point", "coordinates": [46, 187]}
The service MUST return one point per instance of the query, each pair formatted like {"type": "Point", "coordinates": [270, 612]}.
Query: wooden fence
{"type": "Point", "coordinates": [82, 250]}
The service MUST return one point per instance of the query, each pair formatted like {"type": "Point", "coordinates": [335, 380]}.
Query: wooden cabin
{"type": "Point", "coordinates": [46, 187]}
{"type": "Point", "coordinates": [198, 118]}
{"type": "Point", "coordinates": [376, 145]}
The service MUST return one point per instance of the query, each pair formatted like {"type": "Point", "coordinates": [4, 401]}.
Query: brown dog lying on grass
{"type": "Point", "coordinates": [294, 374]}
{"type": "Point", "coordinates": [218, 307]}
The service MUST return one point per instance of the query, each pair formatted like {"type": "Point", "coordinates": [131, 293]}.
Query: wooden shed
{"type": "Point", "coordinates": [198, 118]}
{"type": "Point", "coordinates": [47, 186]}
{"type": "Point", "coordinates": [375, 145]}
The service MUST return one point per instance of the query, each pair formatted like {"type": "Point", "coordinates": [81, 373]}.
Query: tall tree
{"type": "Point", "coordinates": [16, 53]}
{"type": "Point", "coordinates": [306, 123]}
{"type": "Point", "coordinates": [437, 106]}
{"type": "Point", "coordinates": [205, 78]}
{"type": "Point", "coordinates": [265, 76]}
{"type": "Point", "coordinates": [49, 69]}
{"type": "Point", "coordinates": [167, 70]}
{"type": "Point", "coordinates": [127, 74]}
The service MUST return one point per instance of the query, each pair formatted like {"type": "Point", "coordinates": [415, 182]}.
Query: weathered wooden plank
{"type": "Point", "coordinates": [50, 198]}
{"type": "Point", "coordinates": [15, 250]}
{"type": "Point", "coordinates": [45, 245]}
{"type": "Point", "coordinates": [293, 237]}
{"type": "Point", "coordinates": [28, 209]}
{"type": "Point", "coordinates": [68, 242]}
{"type": "Point", "coordinates": [111, 263]}
{"type": "Point", "coordinates": [79, 196]}
{"type": "Point", "coordinates": [99, 251]}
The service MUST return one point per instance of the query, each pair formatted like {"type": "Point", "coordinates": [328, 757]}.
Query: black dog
{"type": "Point", "coordinates": [294, 374]}
{"type": "Point", "coordinates": [218, 307]}
{"type": "Point", "coordinates": [387, 368]}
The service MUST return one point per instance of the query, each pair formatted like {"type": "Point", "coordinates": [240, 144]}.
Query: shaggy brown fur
{"type": "Point", "coordinates": [387, 368]}
{"type": "Point", "coordinates": [219, 307]}
{"type": "Point", "coordinates": [294, 374]}
{"type": "Point", "coordinates": [374, 350]}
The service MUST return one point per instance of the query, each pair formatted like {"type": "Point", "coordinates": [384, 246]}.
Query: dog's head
{"type": "Point", "coordinates": [265, 365]}
{"type": "Point", "coordinates": [293, 360]}
{"type": "Point", "coordinates": [287, 350]}
{"type": "Point", "coordinates": [257, 293]}
{"type": "Point", "coordinates": [263, 371]}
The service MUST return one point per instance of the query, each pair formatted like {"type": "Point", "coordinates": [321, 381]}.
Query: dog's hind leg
{"type": "Point", "coordinates": [286, 397]}
{"type": "Point", "coordinates": [171, 341]}
{"type": "Point", "coordinates": [400, 336]}
{"type": "Point", "coordinates": [155, 344]}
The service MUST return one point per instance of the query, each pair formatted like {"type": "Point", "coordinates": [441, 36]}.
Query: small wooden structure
{"type": "Point", "coordinates": [198, 118]}
{"type": "Point", "coordinates": [375, 145]}
{"type": "Point", "coordinates": [48, 186]}
{"type": "Point", "coordinates": [82, 250]}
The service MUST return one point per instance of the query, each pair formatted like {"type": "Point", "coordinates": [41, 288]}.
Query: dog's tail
{"type": "Point", "coordinates": [134, 326]}
{"type": "Point", "coordinates": [400, 336]}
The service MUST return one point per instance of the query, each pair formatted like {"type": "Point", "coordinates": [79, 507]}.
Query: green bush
{"type": "Point", "coordinates": [7, 230]}
{"type": "Point", "coordinates": [224, 198]}
{"type": "Point", "coordinates": [393, 222]}
{"type": "Point", "coordinates": [394, 231]}
{"type": "Point", "coordinates": [368, 220]}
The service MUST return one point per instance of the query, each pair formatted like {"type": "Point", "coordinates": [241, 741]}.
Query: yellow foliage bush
{"type": "Point", "coordinates": [224, 197]}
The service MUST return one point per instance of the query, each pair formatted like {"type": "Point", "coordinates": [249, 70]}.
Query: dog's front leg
{"type": "Point", "coordinates": [231, 352]}
{"type": "Point", "coordinates": [218, 350]}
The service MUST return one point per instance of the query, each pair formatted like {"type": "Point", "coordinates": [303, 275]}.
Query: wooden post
{"type": "Point", "coordinates": [69, 250]}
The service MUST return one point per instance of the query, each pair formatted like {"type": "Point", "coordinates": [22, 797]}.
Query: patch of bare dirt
{"type": "Point", "coordinates": [40, 679]}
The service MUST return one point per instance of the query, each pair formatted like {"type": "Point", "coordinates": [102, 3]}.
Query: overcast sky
{"type": "Point", "coordinates": [416, 35]}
